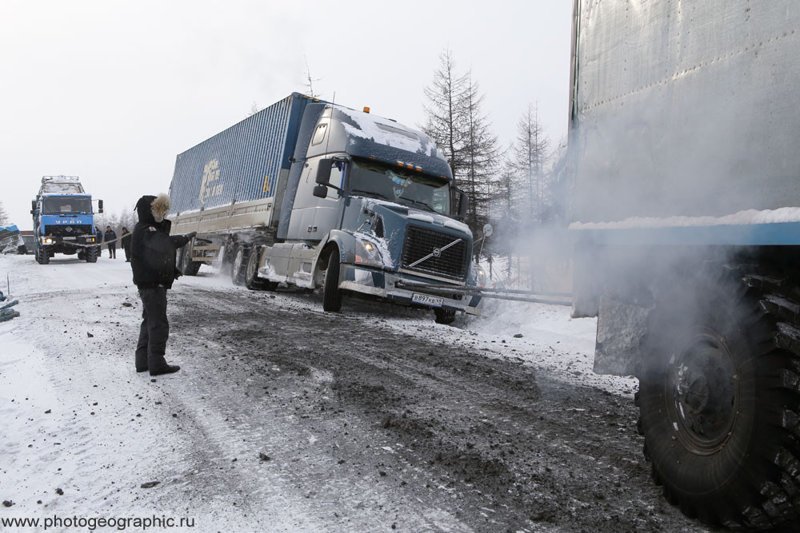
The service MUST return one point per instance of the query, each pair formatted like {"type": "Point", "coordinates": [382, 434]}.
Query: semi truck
{"type": "Point", "coordinates": [63, 220]}
{"type": "Point", "coordinates": [310, 194]}
{"type": "Point", "coordinates": [685, 210]}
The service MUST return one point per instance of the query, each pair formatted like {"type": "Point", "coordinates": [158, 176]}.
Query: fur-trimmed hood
{"type": "Point", "coordinates": [152, 208]}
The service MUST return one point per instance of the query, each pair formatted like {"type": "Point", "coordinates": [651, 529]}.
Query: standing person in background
{"type": "Point", "coordinates": [126, 243]}
{"type": "Point", "coordinates": [99, 240]}
{"type": "Point", "coordinates": [110, 237]}
{"type": "Point", "coordinates": [154, 270]}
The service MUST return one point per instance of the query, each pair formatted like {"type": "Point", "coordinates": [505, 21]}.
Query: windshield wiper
{"type": "Point", "coordinates": [420, 202]}
{"type": "Point", "coordinates": [379, 195]}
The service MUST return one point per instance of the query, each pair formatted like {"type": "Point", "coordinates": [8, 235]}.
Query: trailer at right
{"type": "Point", "coordinates": [685, 209]}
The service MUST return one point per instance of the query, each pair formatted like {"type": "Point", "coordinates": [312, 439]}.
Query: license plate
{"type": "Point", "coordinates": [424, 299]}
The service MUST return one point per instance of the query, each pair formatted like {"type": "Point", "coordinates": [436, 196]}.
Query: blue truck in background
{"type": "Point", "coordinates": [63, 220]}
{"type": "Point", "coordinates": [315, 195]}
{"type": "Point", "coordinates": [685, 210]}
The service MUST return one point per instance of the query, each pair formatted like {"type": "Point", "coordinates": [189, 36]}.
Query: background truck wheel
{"type": "Point", "coordinates": [239, 262]}
{"type": "Point", "coordinates": [331, 294]}
{"type": "Point", "coordinates": [91, 255]}
{"type": "Point", "coordinates": [719, 401]}
{"type": "Point", "coordinates": [42, 257]}
{"type": "Point", "coordinates": [444, 316]}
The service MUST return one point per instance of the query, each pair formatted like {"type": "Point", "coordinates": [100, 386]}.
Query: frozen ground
{"type": "Point", "coordinates": [286, 418]}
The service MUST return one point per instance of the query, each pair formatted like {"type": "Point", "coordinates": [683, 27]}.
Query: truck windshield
{"type": "Point", "coordinates": [65, 205]}
{"type": "Point", "coordinates": [401, 186]}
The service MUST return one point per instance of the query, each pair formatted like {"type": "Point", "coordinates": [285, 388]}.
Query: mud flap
{"type": "Point", "coordinates": [621, 327]}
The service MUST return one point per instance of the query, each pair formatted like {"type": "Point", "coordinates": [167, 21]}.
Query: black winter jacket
{"type": "Point", "coordinates": [153, 250]}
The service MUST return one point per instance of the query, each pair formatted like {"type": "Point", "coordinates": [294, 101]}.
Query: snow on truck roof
{"type": "Point", "coordinates": [388, 132]}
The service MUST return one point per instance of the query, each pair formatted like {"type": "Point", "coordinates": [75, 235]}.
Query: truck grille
{"type": "Point", "coordinates": [420, 242]}
{"type": "Point", "coordinates": [69, 230]}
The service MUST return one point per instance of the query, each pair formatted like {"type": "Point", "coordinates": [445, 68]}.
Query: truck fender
{"type": "Point", "coordinates": [344, 241]}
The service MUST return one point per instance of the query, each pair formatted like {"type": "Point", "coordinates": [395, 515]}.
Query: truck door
{"type": "Point", "coordinates": [314, 217]}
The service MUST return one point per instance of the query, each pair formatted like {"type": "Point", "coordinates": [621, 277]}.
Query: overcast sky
{"type": "Point", "coordinates": [112, 91]}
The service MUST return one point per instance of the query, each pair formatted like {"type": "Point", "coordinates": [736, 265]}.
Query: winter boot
{"type": "Point", "coordinates": [164, 369]}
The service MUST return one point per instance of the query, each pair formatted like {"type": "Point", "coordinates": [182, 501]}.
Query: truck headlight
{"type": "Point", "coordinates": [367, 253]}
{"type": "Point", "coordinates": [47, 240]}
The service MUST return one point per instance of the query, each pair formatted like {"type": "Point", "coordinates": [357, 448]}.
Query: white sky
{"type": "Point", "coordinates": [112, 91]}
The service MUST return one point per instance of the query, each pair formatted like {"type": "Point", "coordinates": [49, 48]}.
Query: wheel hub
{"type": "Point", "coordinates": [704, 390]}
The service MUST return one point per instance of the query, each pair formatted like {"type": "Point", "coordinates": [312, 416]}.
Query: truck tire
{"type": "Point", "coordinates": [331, 294]}
{"type": "Point", "coordinates": [42, 257]}
{"type": "Point", "coordinates": [719, 401]}
{"type": "Point", "coordinates": [445, 316]}
{"type": "Point", "coordinates": [251, 279]}
{"type": "Point", "coordinates": [91, 255]}
{"type": "Point", "coordinates": [187, 266]}
{"type": "Point", "coordinates": [239, 262]}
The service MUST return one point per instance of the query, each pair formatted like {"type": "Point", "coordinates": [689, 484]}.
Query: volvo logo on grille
{"type": "Point", "coordinates": [436, 252]}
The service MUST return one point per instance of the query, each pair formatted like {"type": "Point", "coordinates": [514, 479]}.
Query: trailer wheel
{"type": "Point", "coordinates": [331, 294]}
{"type": "Point", "coordinates": [91, 254]}
{"type": "Point", "coordinates": [445, 316]}
{"type": "Point", "coordinates": [237, 271]}
{"type": "Point", "coordinates": [719, 403]}
{"type": "Point", "coordinates": [186, 265]}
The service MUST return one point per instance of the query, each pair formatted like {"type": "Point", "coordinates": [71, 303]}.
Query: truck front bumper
{"type": "Point", "coordinates": [382, 284]}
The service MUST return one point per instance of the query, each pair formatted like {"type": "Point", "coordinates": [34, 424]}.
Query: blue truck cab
{"type": "Point", "coordinates": [63, 220]}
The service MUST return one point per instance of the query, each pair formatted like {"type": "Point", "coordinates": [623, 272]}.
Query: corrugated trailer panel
{"type": "Point", "coordinates": [684, 108]}
{"type": "Point", "coordinates": [241, 163]}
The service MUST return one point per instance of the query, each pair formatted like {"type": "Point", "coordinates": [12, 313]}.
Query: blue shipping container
{"type": "Point", "coordinates": [241, 163]}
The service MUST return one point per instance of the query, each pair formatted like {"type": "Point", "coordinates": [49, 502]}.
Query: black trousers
{"type": "Point", "coordinates": [127, 252]}
{"type": "Point", "coordinates": [154, 331]}
{"type": "Point", "coordinates": [112, 251]}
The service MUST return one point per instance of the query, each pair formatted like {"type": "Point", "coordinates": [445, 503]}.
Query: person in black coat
{"type": "Point", "coordinates": [110, 237]}
{"type": "Point", "coordinates": [125, 240]}
{"type": "Point", "coordinates": [154, 270]}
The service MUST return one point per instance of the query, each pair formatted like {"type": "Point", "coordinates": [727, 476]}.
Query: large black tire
{"type": "Point", "coordinates": [331, 294]}
{"type": "Point", "coordinates": [719, 400]}
{"type": "Point", "coordinates": [91, 254]}
{"type": "Point", "coordinates": [42, 257]}
{"type": "Point", "coordinates": [185, 263]}
{"type": "Point", "coordinates": [239, 263]}
{"type": "Point", "coordinates": [445, 316]}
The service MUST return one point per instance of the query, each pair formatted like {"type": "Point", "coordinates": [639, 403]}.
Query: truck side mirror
{"type": "Point", "coordinates": [321, 191]}
{"type": "Point", "coordinates": [99, 206]}
{"type": "Point", "coordinates": [324, 171]}
{"type": "Point", "coordinates": [33, 206]}
{"type": "Point", "coordinates": [463, 205]}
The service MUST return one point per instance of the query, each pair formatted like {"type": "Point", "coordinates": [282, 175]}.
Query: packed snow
{"type": "Point", "coordinates": [63, 430]}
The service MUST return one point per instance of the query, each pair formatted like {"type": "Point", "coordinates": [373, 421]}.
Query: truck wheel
{"type": "Point", "coordinates": [445, 316]}
{"type": "Point", "coordinates": [91, 255]}
{"type": "Point", "coordinates": [719, 403]}
{"type": "Point", "coordinates": [251, 279]}
{"type": "Point", "coordinates": [187, 266]}
{"type": "Point", "coordinates": [237, 272]}
{"type": "Point", "coordinates": [331, 294]}
{"type": "Point", "coordinates": [42, 257]}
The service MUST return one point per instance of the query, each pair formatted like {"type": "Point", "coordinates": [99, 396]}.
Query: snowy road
{"type": "Point", "coordinates": [285, 418]}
